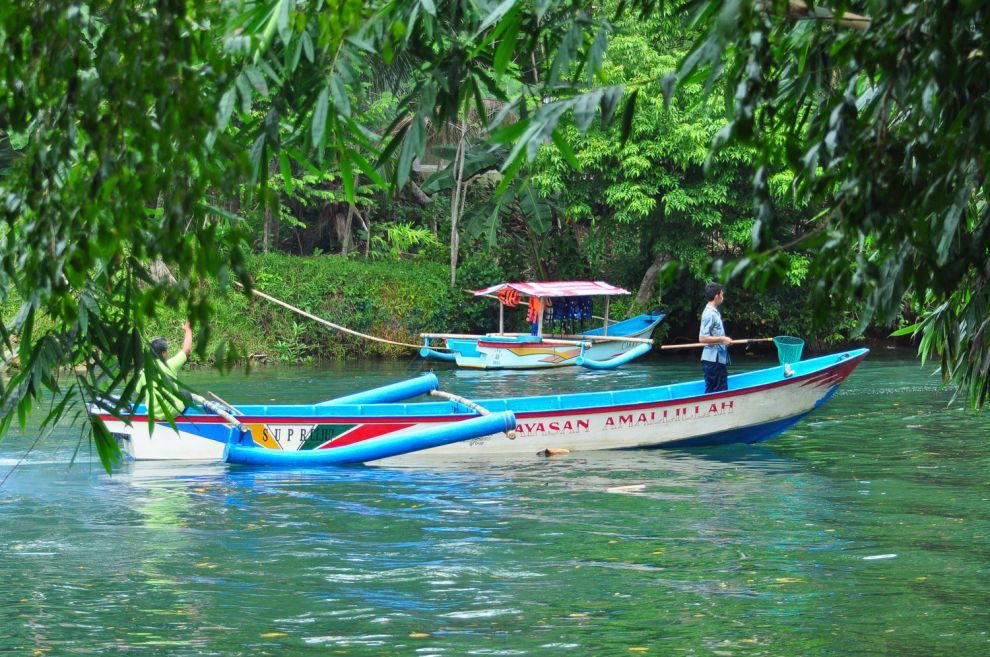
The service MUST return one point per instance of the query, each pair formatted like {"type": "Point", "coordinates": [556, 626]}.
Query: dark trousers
{"type": "Point", "coordinates": [716, 376]}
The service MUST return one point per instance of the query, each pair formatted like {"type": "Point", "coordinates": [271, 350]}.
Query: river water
{"type": "Point", "coordinates": [864, 530]}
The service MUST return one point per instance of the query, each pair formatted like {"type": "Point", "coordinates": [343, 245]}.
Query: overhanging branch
{"type": "Point", "coordinates": [799, 10]}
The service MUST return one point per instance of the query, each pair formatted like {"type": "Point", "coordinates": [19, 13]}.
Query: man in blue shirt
{"type": "Point", "coordinates": [715, 357]}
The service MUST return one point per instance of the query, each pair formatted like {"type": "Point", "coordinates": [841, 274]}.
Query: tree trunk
{"type": "Point", "coordinates": [344, 232]}
{"type": "Point", "coordinates": [456, 203]}
{"type": "Point", "coordinates": [649, 282]}
{"type": "Point", "coordinates": [160, 272]}
{"type": "Point", "coordinates": [265, 236]}
{"type": "Point", "coordinates": [367, 226]}
{"type": "Point", "coordinates": [270, 232]}
{"type": "Point", "coordinates": [421, 197]}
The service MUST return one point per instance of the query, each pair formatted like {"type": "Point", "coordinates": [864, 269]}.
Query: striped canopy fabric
{"type": "Point", "coordinates": [558, 289]}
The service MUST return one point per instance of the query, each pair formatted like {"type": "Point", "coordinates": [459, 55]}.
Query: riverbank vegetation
{"type": "Point", "coordinates": [398, 300]}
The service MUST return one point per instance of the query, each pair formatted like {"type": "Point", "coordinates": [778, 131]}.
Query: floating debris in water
{"type": "Point", "coordinates": [634, 488]}
{"type": "Point", "coordinates": [879, 556]}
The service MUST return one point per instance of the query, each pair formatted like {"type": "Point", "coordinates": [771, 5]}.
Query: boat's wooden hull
{"type": "Point", "coordinates": [757, 406]}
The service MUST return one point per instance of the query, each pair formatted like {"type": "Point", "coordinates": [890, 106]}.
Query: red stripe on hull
{"type": "Point", "coordinates": [363, 432]}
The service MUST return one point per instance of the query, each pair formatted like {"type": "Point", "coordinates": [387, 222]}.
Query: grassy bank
{"type": "Point", "coordinates": [396, 301]}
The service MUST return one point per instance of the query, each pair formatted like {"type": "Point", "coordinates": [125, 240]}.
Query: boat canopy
{"type": "Point", "coordinates": [557, 289]}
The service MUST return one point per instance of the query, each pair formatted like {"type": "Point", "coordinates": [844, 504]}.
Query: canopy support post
{"type": "Point", "coordinates": [605, 328]}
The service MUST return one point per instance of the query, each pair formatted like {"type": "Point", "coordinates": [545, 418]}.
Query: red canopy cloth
{"type": "Point", "coordinates": [558, 289]}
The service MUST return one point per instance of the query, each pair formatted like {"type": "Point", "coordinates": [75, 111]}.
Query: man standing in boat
{"type": "Point", "coordinates": [715, 356]}
{"type": "Point", "coordinates": [172, 402]}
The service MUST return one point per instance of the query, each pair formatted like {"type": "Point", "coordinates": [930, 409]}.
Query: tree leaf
{"type": "Point", "coordinates": [565, 150]}
{"type": "Point", "coordinates": [627, 117]}
{"type": "Point", "coordinates": [320, 110]}
{"type": "Point", "coordinates": [244, 90]}
{"type": "Point", "coordinates": [106, 446]}
{"type": "Point", "coordinates": [284, 30]}
{"type": "Point", "coordinates": [257, 79]}
{"type": "Point", "coordinates": [411, 147]}
{"type": "Point", "coordinates": [226, 108]}
{"type": "Point", "coordinates": [303, 161]}
{"type": "Point", "coordinates": [292, 54]}
{"type": "Point", "coordinates": [507, 46]}
{"type": "Point", "coordinates": [255, 156]}
{"type": "Point", "coordinates": [494, 16]}
{"type": "Point", "coordinates": [610, 100]}
{"type": "Point", "coordinates": [585, 108]}
{"type": "Point", "coordinates": [368, 170]}
{"type": "Point", "coordinates": [6, 154]}
{"type": "Point", "coordinates": [907, 330]}
{"type": "Point", "coordinates": [536, 209]}
{"type": "Point", "coordinates": [286, 167]}
{"type": "Point", "coordinates": [307, 46]}
{"type": "Point", "coordinates": [339, 93]}
{"type": "Point", "coordinates": [596, 53]}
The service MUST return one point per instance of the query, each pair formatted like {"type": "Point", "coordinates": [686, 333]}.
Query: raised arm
{"type": "Point", "coordinates": [187, 339]}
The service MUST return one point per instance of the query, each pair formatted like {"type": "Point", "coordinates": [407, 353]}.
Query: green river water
{"type": "Point", "coordinates": [864, 530]}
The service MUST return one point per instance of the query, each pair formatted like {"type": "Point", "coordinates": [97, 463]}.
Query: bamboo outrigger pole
{"type": "Point", "coordinates": [703, 344]}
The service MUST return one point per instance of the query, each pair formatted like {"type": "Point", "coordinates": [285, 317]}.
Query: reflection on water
{"type": "Point", "coordinates": [863, 531]}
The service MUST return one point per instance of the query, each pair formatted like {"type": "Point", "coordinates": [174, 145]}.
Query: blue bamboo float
{"type": "Point", "coordinates": [242, 449]}
{"type": "Point", "coordinates": [611, 363]}
{"type": "Point", "coordinates": [394, 392]}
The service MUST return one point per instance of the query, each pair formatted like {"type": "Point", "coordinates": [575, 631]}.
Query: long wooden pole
{"type": "Point", "coordinates": [223, 401]}
{"type": "Point", "coordinates": [704, 344]}
{"type": "Point", "coordinates": [606, 338]}
{"type": "Point", "coordinates": [569, 336]}
{"type": "Point", "coordinates": [340, 328]}
{"type": "Point", "coordinates": [213, 408]}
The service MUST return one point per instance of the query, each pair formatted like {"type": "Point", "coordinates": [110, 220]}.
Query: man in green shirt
{"type": "Point", "coordinates": [167, 402]}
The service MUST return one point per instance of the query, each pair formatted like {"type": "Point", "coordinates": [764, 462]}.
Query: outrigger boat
{"type": "Point", "coordinates": [382, 423]}
{"type": "Point", "coordinates": [604, 347]}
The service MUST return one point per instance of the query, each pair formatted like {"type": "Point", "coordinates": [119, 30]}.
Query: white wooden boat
{"type": "Point", "coordinates": [758, 405]}
{"type": "Point", "coordinates": [603, 347]}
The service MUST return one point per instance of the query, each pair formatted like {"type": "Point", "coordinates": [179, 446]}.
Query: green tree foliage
{"type": "Point", "coordinates": [653, 185]}
{"type": "Point", "coordinates": [881, 116]}
{"type": "Point", "coordinates": [113, 107]}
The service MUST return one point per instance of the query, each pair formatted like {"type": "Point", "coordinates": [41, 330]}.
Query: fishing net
{"type": "Point", "coordinates": [788, 348]}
